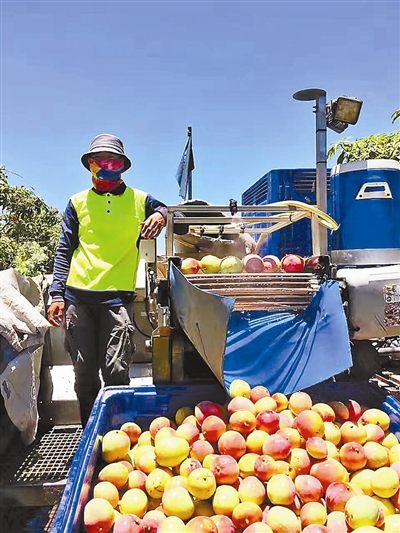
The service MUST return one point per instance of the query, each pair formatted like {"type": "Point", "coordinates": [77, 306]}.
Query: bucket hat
{"type": "Point", "coordinates": [105, 142]}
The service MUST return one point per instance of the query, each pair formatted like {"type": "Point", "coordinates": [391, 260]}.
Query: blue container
{"type": "Point", "coordinates": [286, 184]}
{"type": "Point", "coordinates": [366, 204]}
{"type": "Point", "coordinates": [116, 405]}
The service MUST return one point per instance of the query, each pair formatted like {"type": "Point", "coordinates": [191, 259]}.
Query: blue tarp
{"type": "Point", "coordinates": [285, 351]}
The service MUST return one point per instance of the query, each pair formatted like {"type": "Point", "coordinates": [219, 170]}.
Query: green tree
{"type": "Point", "coordinates": [380, 146]}
{"type": "Point", "coordinates": [29, 229]}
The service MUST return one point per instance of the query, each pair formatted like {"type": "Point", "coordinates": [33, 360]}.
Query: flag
{"type": "Point", "coordinates": [186, 166]}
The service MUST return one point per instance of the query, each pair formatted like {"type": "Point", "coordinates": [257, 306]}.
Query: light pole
{"type": "Point", "coordinates": [336, 115]}
{"type": "Point", "coordinates": [320, 235]}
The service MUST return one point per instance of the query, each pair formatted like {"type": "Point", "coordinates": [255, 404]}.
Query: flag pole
{"type": "Point", "coordinates": [189, 188]}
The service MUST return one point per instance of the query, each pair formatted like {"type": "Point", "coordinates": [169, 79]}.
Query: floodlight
{"type": "Point", "coordinates": [341, 112]}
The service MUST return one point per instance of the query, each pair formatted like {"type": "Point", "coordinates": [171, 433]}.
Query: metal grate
{"type": "Point", "coordinates": [47, 459]}
{"type": "Point", "coordinates": [306, 183]}
{"type": "Point", "coordinates": [261, 291]}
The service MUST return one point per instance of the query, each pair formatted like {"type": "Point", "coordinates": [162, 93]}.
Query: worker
{"type": "Point", "coordinates": [95, 269]}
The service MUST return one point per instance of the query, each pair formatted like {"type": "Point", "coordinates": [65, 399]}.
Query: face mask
{"type": "Point", "coordinates": [106, 173]}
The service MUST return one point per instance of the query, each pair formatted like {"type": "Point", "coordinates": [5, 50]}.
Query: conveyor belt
{"type": "Point", "coordinates": [280, 291]}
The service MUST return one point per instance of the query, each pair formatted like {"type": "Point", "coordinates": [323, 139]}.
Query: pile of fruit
{"type": "Point", "coordinates": [251, 264]}
{"type": "Point", "coordinates": [259, 464]}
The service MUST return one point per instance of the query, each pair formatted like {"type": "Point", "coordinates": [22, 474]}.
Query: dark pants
{"type": "Point", "coordinates": [99, 338]}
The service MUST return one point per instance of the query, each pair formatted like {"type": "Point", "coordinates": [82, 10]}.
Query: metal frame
{"type": "Point", "coordinates": [285, 213]}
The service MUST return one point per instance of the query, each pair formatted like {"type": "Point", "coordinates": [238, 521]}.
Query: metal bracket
{"type": "Point", "coordinates": [374, 189]}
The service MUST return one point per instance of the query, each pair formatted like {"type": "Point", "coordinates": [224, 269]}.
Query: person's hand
{"type": "Point", "coordinates": [152, 226]}
{"type": "Point", "coordinates": [55, 313]}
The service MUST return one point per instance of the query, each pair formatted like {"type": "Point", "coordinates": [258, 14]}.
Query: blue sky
{"type": "Point", "coordinates": [146, 70]}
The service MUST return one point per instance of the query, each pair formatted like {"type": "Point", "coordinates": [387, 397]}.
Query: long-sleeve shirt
{"type": "Point", "coordinates": [69, 241]}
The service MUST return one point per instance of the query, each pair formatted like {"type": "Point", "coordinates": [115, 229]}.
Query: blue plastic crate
{"type": "Point", "coordinates": [116, 405]}
{"type": "Point", "coordinates": [286, 184]}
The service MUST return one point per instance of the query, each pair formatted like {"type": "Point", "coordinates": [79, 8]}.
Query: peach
{"type": "Point", "coordinates": [182, 413]}
{"type": "Point", "coordinates": [283, 467]}
{"type": "Point", "coordinates": [188, 432]}
{"type": "Point", "coordinates": [282, 401]}
{"type": "Point", "coordinates": [355, 410]}
{"type": "Point", "coordinates": [240, 403]}
{"type": "Point", "coordinates": [333, 451]}
{"type": "Point", "coordinates": [362, 480]}
{"type": "Point", "coordinates": [353, 456]}
{"type": "Point", "coordinates": [152, 520]}
{"type": "Point", "coordinates": [283, 520]}
{"type": "Point", "coordinates": [98, 515]}
{"type": "Point", "coordinates": [126, 463]}
{"type": "Point", "coordinates": [225, 469]}
{"type": "Point", "coordinates": [255, 441]}
{"type": "Point", "coordinates": [268, 421]}
{"type": "Point", "coordinates": [285, 420]}
{"type": "Point", "coordinates": [208, 460]}
{"type": "Point", "coordinates": [317, 447]}
{"type": "Point", "coordinates": [201, 523]}
{"type": "Point", "coordinates": [251, 489]}
{"type": "Point", "coordinates": [213, 427]}
{"type": "Point", "coordinates": [281, 490]}
{"type": "Point", "coordinates": [376, 416]}
{"type": "Point", "coordinates": [396, 467]}
{"type": "Point", "coordinates": [115, 473]}
{"type": "Point", "coordinates": [188, 465]}
{"type": "Point", "coordinates": [337, 494]}
{"type": "Point", "coordinates": [225, 499]}
{"type": "Point", "coordinates": [317, 528]}
{"type": "Point", "coordinates": [336, 522]}
{"type": "Point", "coordinates": [308, 488]}
{"type": "Point", "coordinates": [265, 404]}
{"type": "Point", "coordinates": [329, 470]}
{"type": "Point", "coordinates": [325, 411]}
{"type": "Point", "coordinates": [300, 460]}
{"type": "Point", "coordinates": [128, 523]}
{"type": "Point", "coordinates": [332, 433]}
{"type": "Point", "coordinates": [390, 440]}
{"type": "Point", "coordinates": [190, 419]}
{"type": "Point", "coordinates": [377, 455]}
{"type": "Point", "coordinates": [199, 449]}
{"type": "Point", "coordinates": [232, 443]}
{"type": "Point", "coordinates": [276, 446]}
{"type": "Point", "coordinates": [207, 408]}
{"type": "Point", "coordinates": [137, 480]}
{"type": "Point", "coordinates": [163, 433]}
{"type": "Point", "coordinates": [292, 435]}
{"type": "Point", "coordinates": [107, 491]}
{"type": "Point", "coordinates": [258, 392]}
{"type": "Point", "coordinates": [145, 439]}
{"type": "Point", "coordinates": [239, 387]}
{"type": "Point", "coordinates": [299, 401]}
{"type": "Point", "coordinates": [313, 513]}
{"type": "Point", "coordinates": [157, 423]}
{"type": "Point", "coordinates": [245, 514]}
{"type": "Point", "coordinates": [309, 424]}
{"type": "Point", "coordinates": [115, 445]}
{"type": "Point", "coordinates": [133, 431]}
{"type": "Point", "coordinates": [341, 411]}
{"type": "Point", "coordinates": [242, 421]}
{"type": "Point", "coordinates": [201, 483]}
{"type": "Point", "coordinates": [264, 467]}
{"type": "Point", "coordinates": [353, 432]}
{"type": "Point", "coordinates": [134, 501]}
{"type": "Point", "coordinates": [385, 482]}
{"type": "Point", "coordinates": [223, 523]}
{"type": "Point", "coordinates": [374, 433]}
{"type": "Point", "coordinates": [394, 453]}
{"type": "Point", "coordinates": [246, 464]}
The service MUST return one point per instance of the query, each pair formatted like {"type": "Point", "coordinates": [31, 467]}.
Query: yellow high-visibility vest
{"type": "Point", "coordinates": [107, 256]}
